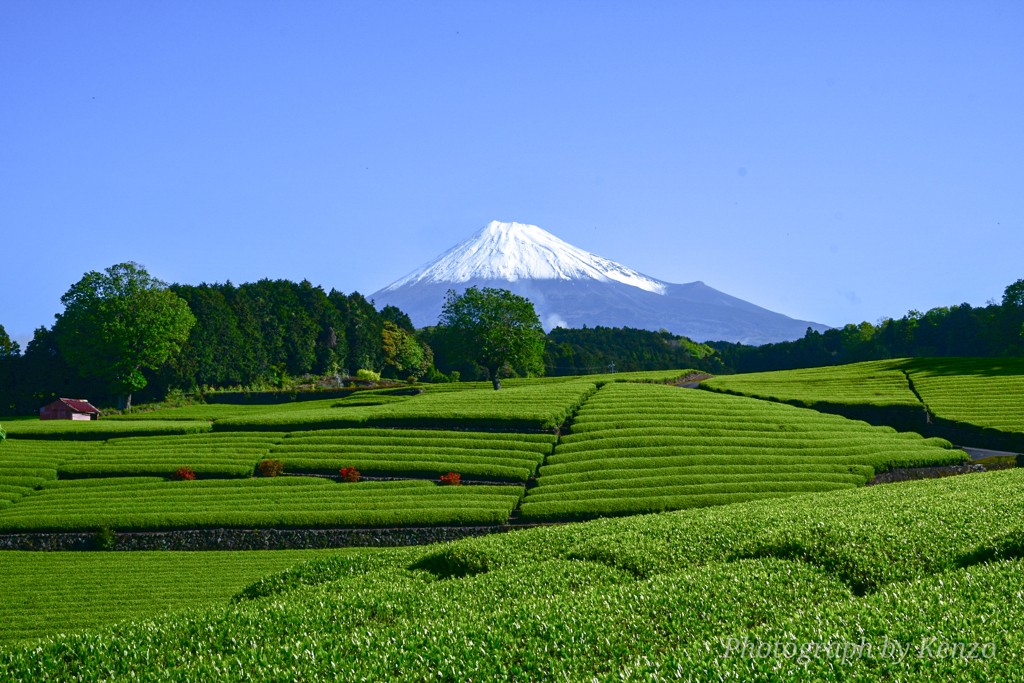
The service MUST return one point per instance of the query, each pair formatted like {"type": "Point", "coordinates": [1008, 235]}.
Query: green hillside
{"type": "Point", "coordinates": [973, 401]}
{"type": "Point", "coordinates": [654, 597]}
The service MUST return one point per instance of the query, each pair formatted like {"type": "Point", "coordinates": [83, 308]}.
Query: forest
{"type": "Point", "coordinates": [254, 335]}
{"type": "Point", "coordinates": [994, 330]}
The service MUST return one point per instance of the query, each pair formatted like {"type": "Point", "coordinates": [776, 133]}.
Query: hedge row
{"type": "Point", "coordinates": [427, 442]}
{"type": "Point", "coordinates": [687, 448]}
{"type": "Point", "coordinates": [288, 502]}
{"type": "Point", "coordinates": [101, 429]}
{"type": "Point", "coordinates": [875, 383]}
{"type": "Point", "coordinates": [642, 475]}
{"type": "Point", "coordinates": [531, 407]}
{"type": "Point", "coordinates": [294, 437]}
{"type": "Point", "coordinates": [652, 481]}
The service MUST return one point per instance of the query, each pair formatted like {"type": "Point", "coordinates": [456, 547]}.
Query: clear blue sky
{"type": "Point", "coordinates": [834, 161]}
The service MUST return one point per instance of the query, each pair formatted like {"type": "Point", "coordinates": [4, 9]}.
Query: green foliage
{"type": "Point", "coordinates": [947, 331]}
{"type": "Point", "coordinates": [494, 328]}
{"type": "Point", "coordinates": [968, 394]}
{"type": "Point", "coordinates": [879, 383]}
{"type": "Point", "coordinates": [1013, 295]}
{"type": "Point", "coordinates": [404, 355]}
{"type": "Point", "coordinates": [8, 347]}
{"type": "Point", "coordinates": [395, 452]}
{"type": "Point", "coordinates": [979, 392]}
{"type": "Point", "coordinates": [593, 349]}
{"type": "Point", "coordinates": [641, 598]}
{"type": "Point", "coordinates": [638, 448]}
{"type": "Point", "coordinates": [367, 375]}
{"type": "Point", "coordinates": [104, 539]}
{"type": "Point", "coordinates": [46, 593]}
{"type": "Point", "coordinates": [309, 573]}
{"type": "Point", "coordinates": [532, 406]}
{"type": "Point", "coordinates": [454, 560]}
{"type": "Point", "coordinates": [300, 502]}
{"type": "Point", "coordinates": [102, 429]}
{"type": "Point", "coordinates": [118, 323]}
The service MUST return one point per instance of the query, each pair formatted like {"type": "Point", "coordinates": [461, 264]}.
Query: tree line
{"type": "Point", "coordinates": [252, 335]}
{"type": "Point", "coordinates": [994, 330]}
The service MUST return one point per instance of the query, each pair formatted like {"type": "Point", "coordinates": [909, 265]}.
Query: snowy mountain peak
{"type": "Point", "coordinates": [516, 251]}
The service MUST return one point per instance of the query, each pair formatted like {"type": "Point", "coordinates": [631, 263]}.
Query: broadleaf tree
{"type": "Point", "coordinates": [494, 328]}
{"type": "Point", "coordinates": [120, 322]}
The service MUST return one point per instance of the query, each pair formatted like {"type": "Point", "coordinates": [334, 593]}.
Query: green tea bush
{"type": "Point", "coordinates": [306, 502]}
{"type": "Point", "coordinates": [529, 407]}
{"type": "Point", "coordinates": [638, 449]}
{"type": "Point", "coordinates": [655, 597]}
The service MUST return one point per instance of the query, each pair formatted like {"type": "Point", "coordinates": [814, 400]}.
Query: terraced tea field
{"type": "Point", "coordinates": [981, 392]}
{"type": "Point", "coordinates": [975, 401]}
{"type": "Point", "coordinates": [144, 503]}
{"type": "Point", "coordinates": [651, 597]}
{"type": "Point", "coordinates": [64, 592]}
{"type": "Point", "coordinates": [638, 448]}
{"type": "Point", "coordinates": [630, 448]}
{"type": "Point", "coordinates": [876, 383]}
{"type": "Point", "coordinates": [494, 456]}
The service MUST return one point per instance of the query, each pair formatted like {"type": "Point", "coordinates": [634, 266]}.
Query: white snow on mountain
{"type": "Point", "coordinates": [515, 251]}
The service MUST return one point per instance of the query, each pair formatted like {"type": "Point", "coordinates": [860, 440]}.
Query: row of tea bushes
{"type": "Point", "coordinates": [875, 383]}
{"type": "Point", "coordinates": [27, 463]}
{"type": "Point", "coordinates": [654, 597]}
{"type": "Point", "coordinates": [532, 407]}
{"type": "Point", "coordinates": [638, 448]}
{"type": "Point", "coordinates": [210, 455]}
{"type": "Point", "coordinates": [48, 592]}
{"type": "Point", "coordinates": [102, 429]}
{"type": "Point", "coordinates": [146, 503]}
{"type": "Point", "coordinates": [974, 392]}
{"type": "Point", "coordinates": [975, 401]}
{"type": "Point", "coordinates": [398, 452]}
{"type": "Point", "coordinates": [219, 411]}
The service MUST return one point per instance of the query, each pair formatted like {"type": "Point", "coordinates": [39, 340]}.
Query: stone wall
{"type": "Point", "coordinates": [250, 539]}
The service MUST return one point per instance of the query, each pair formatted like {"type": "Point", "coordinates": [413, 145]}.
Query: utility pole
{"type": "Point", "coordinates": [611, 368]}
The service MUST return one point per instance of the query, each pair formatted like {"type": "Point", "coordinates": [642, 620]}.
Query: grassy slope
{"type": "Point", "coordinates": [46, 593]}
{"type": "Point", "coordinates": [977, 393]}
{"type": "Point", "coordinates": [640, 598]}
{"type": "Point", "coordinates": [985, 392]}
{"type": "Point", "coordinates": [690, 439]}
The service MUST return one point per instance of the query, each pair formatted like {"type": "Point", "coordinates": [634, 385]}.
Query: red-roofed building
{"type": "Point", "coordinates": [69, 409]}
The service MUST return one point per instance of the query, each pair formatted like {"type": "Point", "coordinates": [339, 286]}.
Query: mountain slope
{"type": "Point", "coordinates": [571, 287]}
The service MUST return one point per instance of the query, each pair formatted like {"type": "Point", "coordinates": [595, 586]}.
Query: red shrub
{"type": "Point", "coordinates": [452, 479]}
{"type": "Point", "coordinates": [271, 468]}
{"type": "Point", "coordinates": [350, 474]}
{"type": "Point", "coordinates": [184, 474]}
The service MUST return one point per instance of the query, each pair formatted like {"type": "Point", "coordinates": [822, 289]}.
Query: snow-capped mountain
{"type": "Point", "coordinates": [570, 287]}
{"type": "Point", "coordinates": [515, 251]}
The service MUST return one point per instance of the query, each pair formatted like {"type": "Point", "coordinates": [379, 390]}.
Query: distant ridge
{"type": "Point", "coordinates": [571, 287]}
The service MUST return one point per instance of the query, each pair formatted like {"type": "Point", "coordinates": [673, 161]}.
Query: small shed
{"type": "Point", "coordinates": [69, 409]}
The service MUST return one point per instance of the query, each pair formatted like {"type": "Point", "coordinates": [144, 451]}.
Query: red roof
{"type": "Point", "coordinates": [80, 405]}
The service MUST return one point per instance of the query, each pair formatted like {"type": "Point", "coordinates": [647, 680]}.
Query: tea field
{"type": "Point", "coordinates": [979, 401]}
{"type": "Point", "coordinates": [610, 448]}
{"type": "Point", "coordinates": [820, 587]}
{"type": "Point", "coordinates": [61, 592]}
{"type": "Point", "coordinates": [645, 448]}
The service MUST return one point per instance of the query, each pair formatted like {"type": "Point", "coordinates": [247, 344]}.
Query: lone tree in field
{"type": "Point", "coordinates": [120, 322]}
{"type": "Point", "coordinates": [493, 328]}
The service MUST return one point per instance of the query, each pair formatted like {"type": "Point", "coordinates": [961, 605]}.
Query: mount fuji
{"type": "Point", "coordinates": [570, 287]}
